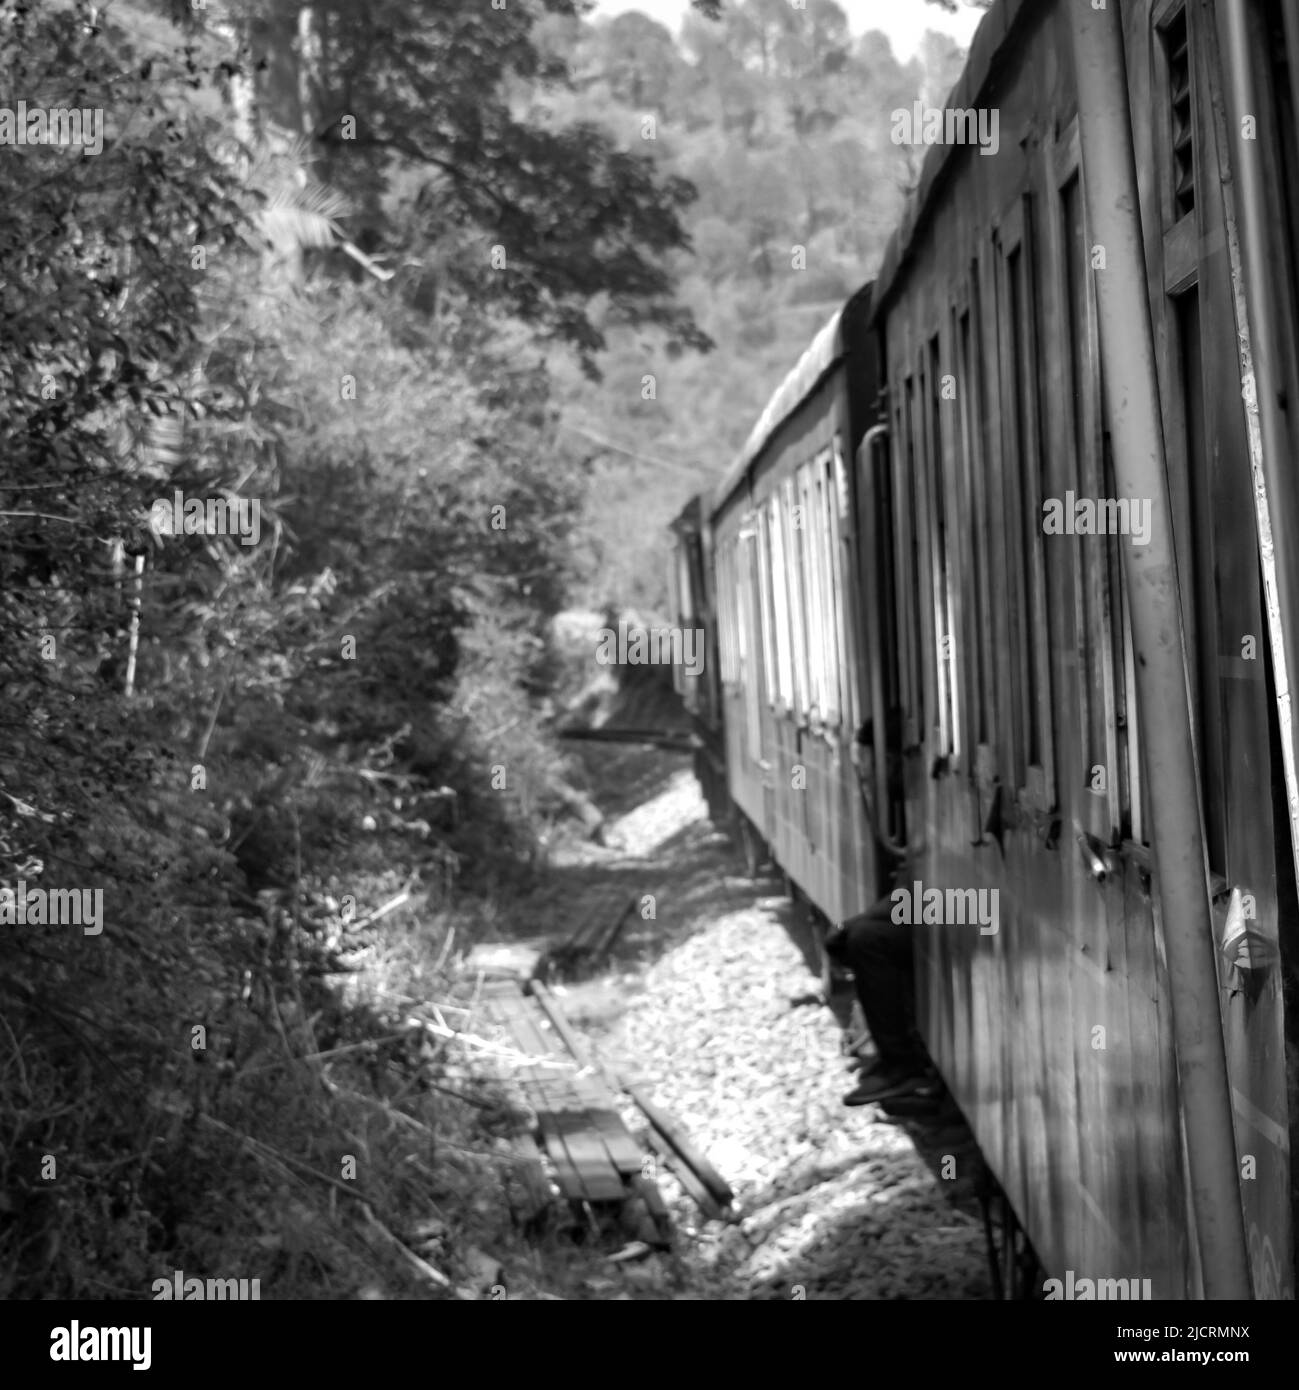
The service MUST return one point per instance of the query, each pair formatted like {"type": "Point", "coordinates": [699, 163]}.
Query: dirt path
{"type": "Point", "coordinates": [710, 1001]}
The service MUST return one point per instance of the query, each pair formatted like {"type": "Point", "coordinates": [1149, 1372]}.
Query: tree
{"type": "Point", "coordinates": [521, 215]}
{"type": "Point", "coordinates": [943, 60]}
{"type": "Point", "coordinates": [638, 59]}
{"type": "Point", "coordinates": [718, 83]}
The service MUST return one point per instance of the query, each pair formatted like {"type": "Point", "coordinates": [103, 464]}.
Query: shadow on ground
{"type": "Point", "coordinates": [835, 1212]}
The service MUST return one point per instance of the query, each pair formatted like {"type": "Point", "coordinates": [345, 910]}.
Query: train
{"type": "Point", "coordinates": [1004, 585]}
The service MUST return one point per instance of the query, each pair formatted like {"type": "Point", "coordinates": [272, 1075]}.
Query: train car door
{"type": "Point", "coordinates": [1247, 63]}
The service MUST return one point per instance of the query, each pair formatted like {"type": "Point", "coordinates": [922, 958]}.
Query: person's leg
{"type": "Point", "coordinates": [881, 953]}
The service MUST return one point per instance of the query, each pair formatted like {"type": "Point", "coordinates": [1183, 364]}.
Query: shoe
{"type": "Point", "coordinates": [913, 1107]}
{"type": "Point", "coordinates": [887, 1085]}
{"type": "Point", "coordinates": [836, 940]}
{"type": "Point", "coordinates": [926, 1100]}
{"type": "Point", "coordinates": [866, 1066]}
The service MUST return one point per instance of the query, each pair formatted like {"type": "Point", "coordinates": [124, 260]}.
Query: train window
{"type": "Point", "coordinates": [925, 593]}
{"type": "Point", "coordinates": [725, 651]}
{"type": "Point", "coordinates": [1180, 130]}
{"type": "Point", "coordinates": [909, 591]}
{"type": "Point", "coordinates": [1111, 767]}
{"type": "Point", "coordinates": [902, 556]}
{"type": "Point", "coordinates": [739, 641]}
{"type": "Point", "coordinates": [749, 642]}
{"type": "Point", "coordinates": [723, 637]}
{"type": "Point", "coordinates": [816, 595]}
{"type": "Point", "coordinates": [1031, 743]}
{"type": "Point", "coordinates": [1130, 791]}
{"type": "Point", "coordinates": [809, 545]}
{"type": "Point", "coordinates": [1039, 747]}
{"type": "Point", "coordinates": [674, 583]}
{"type": "Point", "coordinates": [830, 597]}
{"type": "Point", "coordinates": [733, 610]}
{"type": "Point", "coordinates": [845, 590]}
{"type": "Point", "coordinates": [977, 606]}
{"type": "Point", "coordinates": [807, 577]}
{"type": "Point", "coordinates": [944, 637]}
{"type": "Point", "coordinates": [1100, 762]}
{"type": "Point", "coordinates": [806, 596]}
{"type": "Point", "coordinates": [879, 547]}
{"type": "Point", "coordinates": [763, 578]}
{"type": "Point", "coordinates": [1022, 642]}
{"type": "Point", "coordinates": [784, 683]}
{"type": "Point", "coordinates": [1124, 710]}
{"type": "Point", "coordinates": [684, 595]}
{"type": "Point", "coordinates": [797, 596]}
{"type": "Point", "coordinates": [1203, 605]}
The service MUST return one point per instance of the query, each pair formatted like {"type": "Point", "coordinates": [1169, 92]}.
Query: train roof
{"type": "Point", "coordinates": [690, 517]}
{"type": "Point", "coordinates": [820, 357]}
{"type": "Point", "coordinates": [994, 29]}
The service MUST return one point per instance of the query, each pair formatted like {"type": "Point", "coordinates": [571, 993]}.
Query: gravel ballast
{"type": "Point", "coordinates": [712, 1005]}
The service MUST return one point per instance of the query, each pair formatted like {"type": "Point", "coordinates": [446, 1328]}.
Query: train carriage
{"type": "Point", "coordinates": [789, 632]}
{"type": "Point", "coordinates": [926, 556]}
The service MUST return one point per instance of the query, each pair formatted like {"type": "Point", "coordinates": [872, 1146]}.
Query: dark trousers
{"type": "Point", "coordinates": [880, 952]}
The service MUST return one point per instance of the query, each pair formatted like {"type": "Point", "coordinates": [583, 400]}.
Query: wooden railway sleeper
{"type": "Point", "coordinates": [659, 1121]}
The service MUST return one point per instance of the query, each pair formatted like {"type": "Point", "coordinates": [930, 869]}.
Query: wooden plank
{"type": "Point", "coordinates": [567, 1128]}
{"type": "Point", "coordinates": [624, 1152]}
{"type": "Point", "coordinates": [567, 1175]}
{"type": "Point", "coordinates": [593, 1136]}
{"type": "Point", "coordinates": [600, 1178]}
{"type": "Point", "coordinates": [498, 1003]}
{"type": "Point", "coordinates": [588, 1095]}
{"type": "Point", "coordinates": [595, 931]}
{"type": "Point", "coordinates": [592, 922]}
{"type": "Point", "coordinates": [586, 1152]}
{"type": "Point", "coordinates": [505, 960]}
{"type": "Point", "coordinates": [659, 1121]}
{"type": "Point", "coordinates": [567, 1125]}
{"type": "Point", "coordinates": [509, 1005]}
{"type": "Point", "coordinates": [545, 1044]}
{"type": "Point", "coordinates": [611, 933]}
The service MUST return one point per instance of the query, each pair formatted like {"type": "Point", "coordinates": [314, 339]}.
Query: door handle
{"type": "Point", "coordinates": [1093, 855]}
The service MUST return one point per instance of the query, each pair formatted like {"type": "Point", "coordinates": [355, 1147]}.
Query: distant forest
{"type": "Point", "coordinates": [781, 121]}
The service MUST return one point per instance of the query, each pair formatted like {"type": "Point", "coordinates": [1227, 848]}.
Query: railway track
{"type": "Point", "coordinates": [698, 1008]}
{"type": "Point", "coordinates": [673, 740]}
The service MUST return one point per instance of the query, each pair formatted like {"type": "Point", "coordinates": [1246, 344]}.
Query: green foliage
{"type": "Point", "coordinates": [225, 738]}
{"type": "Point", "coordinates": [429, 116]}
